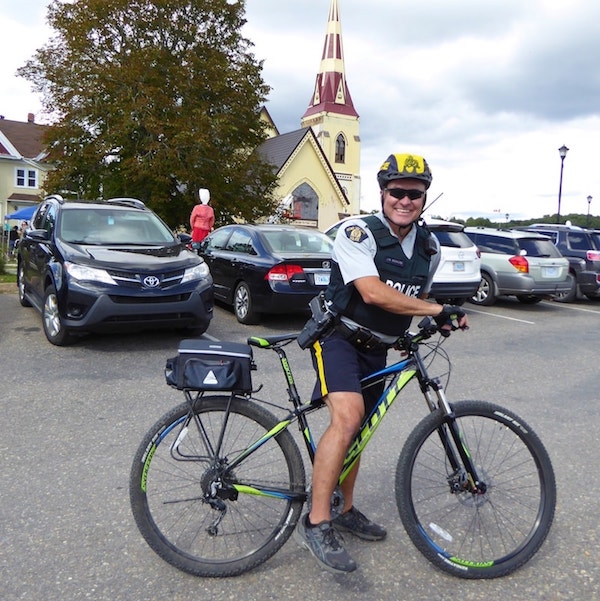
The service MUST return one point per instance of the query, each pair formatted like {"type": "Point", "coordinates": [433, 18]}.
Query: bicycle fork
{"type": "Point", "coordinates": [464, 477]}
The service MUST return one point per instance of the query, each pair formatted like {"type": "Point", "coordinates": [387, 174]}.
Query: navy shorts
{"type": "Point", "coordinates": [340, 366]}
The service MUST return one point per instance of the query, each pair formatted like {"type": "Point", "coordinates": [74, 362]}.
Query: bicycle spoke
{"type": "Point", "coordinates": [192, 512]}
{"type": "Point", "coordinates": [495, 531]}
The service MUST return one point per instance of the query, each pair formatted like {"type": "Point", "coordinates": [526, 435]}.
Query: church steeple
{"type": "Point", "coordinates": [332, 116]}
{"type": "Point", "coordinates": [331, 92]}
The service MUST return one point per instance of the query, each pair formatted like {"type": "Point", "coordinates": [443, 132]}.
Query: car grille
{"type": "Point", "coordinates": [130, 279]}
{"type": "Point", "coordinates": [149, 300]}
{"type": "Point", "coordinates": [150, 318]}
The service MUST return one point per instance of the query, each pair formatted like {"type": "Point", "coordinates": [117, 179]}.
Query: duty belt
{"type": "Point", "coordinates": [362, 339]}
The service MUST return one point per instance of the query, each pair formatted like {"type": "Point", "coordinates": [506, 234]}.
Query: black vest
{"type": "Point", "coordinates": [395, 269]}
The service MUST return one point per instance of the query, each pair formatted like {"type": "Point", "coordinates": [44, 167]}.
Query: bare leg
{"type": "Point", "coordinates": [346, 410]}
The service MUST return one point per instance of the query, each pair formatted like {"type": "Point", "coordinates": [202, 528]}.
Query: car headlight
{"type": "Point", "coordinates": [198, 272]}
{"type": "Point", "coordinates": [85, 273]}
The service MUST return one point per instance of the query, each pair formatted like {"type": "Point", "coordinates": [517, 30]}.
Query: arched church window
{"type": "Point", "coordinates": [305, 203]}
{"type": "Point", "coordinates": [340, 149]}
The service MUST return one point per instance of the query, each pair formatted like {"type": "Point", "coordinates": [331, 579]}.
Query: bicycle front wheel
{"type": "Point", "coordinates": [197, 514]}
{"type": "Point", "coordinates": [483, 535]}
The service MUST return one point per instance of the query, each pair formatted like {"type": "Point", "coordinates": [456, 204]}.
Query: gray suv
{"type": "Point", "coordinates": [517, 263]}
{"type": "Point", "coordinates": [109, 265]}
{"type": "Point", "coordinates": [582, 249]}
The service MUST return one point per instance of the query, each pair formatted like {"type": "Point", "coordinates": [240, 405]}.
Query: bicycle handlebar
{"type": "Point", "coordinates": [408, 341]}
{"type": "Point", "coordinates": [427, 328]}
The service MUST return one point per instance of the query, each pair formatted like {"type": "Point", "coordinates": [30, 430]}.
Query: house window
{"type": "Point", "coordinates": [26, 178]}
{"type": "Point", "coordinates": [340, 149]}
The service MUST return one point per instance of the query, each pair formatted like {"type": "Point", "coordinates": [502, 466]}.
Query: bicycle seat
{"type": "Point", "coordinates": [268, 341]}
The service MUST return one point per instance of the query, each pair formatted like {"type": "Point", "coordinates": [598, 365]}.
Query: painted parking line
{"type": "Point", "coordinates": [576, 308]}
{"type": "Point", "coordinates": [532, 323]}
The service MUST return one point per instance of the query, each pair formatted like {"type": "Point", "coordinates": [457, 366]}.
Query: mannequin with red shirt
{"type": "Point", "coordinates": [202, 218]}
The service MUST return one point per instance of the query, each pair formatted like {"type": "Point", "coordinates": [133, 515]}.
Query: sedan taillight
{"type": "Point", "coordinates": [519, 263]}
{"type": "Point", "coordinates": [283, 273]}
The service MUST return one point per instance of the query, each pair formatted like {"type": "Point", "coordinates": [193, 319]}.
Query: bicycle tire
{"type": "Point", "coordinates": [167, 493]}
{"type": "Point", "coordinates": [477, 536]}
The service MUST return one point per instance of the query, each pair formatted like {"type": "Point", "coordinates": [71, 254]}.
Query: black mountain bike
{"type": "Point", "coordinates": [218, 484]}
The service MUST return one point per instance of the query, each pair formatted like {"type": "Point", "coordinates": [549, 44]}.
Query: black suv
{"type": "Point", "coordinates": [109, 265]}
{"type": "Point", "coordinates": [582, 248]}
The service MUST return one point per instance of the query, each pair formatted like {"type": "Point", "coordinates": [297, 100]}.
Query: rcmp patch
{"type": "Point", "coordinates": [355, 233]}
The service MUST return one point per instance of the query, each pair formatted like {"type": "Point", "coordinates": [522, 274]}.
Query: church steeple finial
{"type": "Point", "coordinates": [331, 92]}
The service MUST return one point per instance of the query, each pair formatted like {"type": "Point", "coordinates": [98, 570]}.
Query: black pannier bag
{"type": "Point", "coordinates": [206, 365]}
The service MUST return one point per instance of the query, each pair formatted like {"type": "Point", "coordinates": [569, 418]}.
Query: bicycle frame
{"type": "Point", "coordinates": [401, 372]}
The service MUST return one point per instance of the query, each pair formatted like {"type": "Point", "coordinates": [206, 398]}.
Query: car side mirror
{"type": "Point", "coordinates": [39, 235]}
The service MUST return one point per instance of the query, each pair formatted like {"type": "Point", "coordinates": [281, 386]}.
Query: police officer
{"type": "Point", "coordinates": [381, 273]}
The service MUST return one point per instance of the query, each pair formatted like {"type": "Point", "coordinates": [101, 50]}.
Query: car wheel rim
{"type": "Point", "coordinates": [482, 292]}
{"type": "Point", "coordinates": [241, 302]}
{"type": "Point", "coordinates": [51, 316]}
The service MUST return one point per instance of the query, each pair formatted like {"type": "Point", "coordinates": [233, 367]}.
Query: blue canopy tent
{"type": "Point", "coordinates": [25, 214]}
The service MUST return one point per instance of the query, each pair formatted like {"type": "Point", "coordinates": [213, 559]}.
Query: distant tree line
{"type": "Point", "coordinates": [577, 219]}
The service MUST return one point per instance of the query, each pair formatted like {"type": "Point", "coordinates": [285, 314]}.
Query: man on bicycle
{"type": "Point", "coordinates": [382, 267]}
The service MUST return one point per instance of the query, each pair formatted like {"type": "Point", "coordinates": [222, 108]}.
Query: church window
{"type": "Point", "coordinates": [305, 203]}
{"type": "Point", "coordinates": [340, 149]}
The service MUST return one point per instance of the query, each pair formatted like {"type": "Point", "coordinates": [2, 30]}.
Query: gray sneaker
{"type": "Point", "coordinates": [324, 543]}
{"type": "Point", "coordinates": [357, 523]}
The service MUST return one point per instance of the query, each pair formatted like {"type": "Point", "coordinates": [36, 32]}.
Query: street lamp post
{"type": "Point", "coordinates": [589, 199]}
{"type": "Point", "coordinates": [563, 153]}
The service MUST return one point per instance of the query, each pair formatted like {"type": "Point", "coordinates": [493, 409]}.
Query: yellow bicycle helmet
{"type": "Point", "coordinates": [404, 166]}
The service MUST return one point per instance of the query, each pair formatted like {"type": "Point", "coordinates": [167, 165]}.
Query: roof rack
{"type": "Point", "coordinates": [57, 197]}
{"type": "Point", "coordinates": [130, 202]}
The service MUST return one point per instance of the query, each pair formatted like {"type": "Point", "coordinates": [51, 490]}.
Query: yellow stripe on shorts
{"type": "Point", "coordinates": [320, 370]}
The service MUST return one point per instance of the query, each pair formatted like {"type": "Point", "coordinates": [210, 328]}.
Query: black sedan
{"type": "Point", "coordinates": [267, 268]}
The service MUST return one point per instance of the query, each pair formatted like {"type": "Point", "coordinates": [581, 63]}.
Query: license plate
{"type": "Point", "coordinates": [459, 266]}
{"type": "Point", "coordinates": [550, 272]}
{"type": "Point", "coordinates": [321, 279]}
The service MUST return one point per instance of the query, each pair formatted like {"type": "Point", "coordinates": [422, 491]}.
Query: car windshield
{"type": "Point", "coordinates": [299, 241]}
{"type": "Point", "coordinates": [110, 225]}
{"type": "Point", "coordinates": [534, 247]}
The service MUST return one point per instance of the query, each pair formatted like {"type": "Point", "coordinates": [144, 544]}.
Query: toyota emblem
{"type": "Point", "coordinates": [151, 281]}
{"type": "Point", "coordinates": [326, 265]}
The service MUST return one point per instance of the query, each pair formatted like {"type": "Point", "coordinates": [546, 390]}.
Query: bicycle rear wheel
{"type": "Point", "coordinates": [176, 473]}
{"type": "Point", "coordinates": [485, 535]}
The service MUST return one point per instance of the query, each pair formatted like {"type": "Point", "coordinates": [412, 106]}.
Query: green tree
{"type": "Point", "coordinates": [155, 99]}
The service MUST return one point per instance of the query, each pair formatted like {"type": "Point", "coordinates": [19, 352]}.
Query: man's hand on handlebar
{"type": "Point", "coordinates": [451, 317]}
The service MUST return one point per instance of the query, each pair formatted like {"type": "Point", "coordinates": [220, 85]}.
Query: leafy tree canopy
{"type": "Point", "coordinates": [155, 99]}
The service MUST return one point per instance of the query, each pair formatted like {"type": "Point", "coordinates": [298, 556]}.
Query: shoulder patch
{"type": "Point", "coordinates": [355, 233]}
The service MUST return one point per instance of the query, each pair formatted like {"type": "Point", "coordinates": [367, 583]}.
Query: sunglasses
{"type": "Point", "coordinates": [401, 193]}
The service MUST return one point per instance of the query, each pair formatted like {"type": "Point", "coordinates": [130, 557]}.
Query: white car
{"type": "Point", "coordinates": [458, 275]}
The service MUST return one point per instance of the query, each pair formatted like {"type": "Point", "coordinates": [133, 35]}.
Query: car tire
{"type": "Point", "coordinates": [21, 287]}
{"type": "Point", "coordinates": [485, 294]}
{"type": "Point", "coordinates": [571, 295]}
{"type": "Point", "coordinates": [54, 328]}
{"type": "Point", "coordinates": [243, 306]}
{"type": "Point", "coordinates": [529, 299]}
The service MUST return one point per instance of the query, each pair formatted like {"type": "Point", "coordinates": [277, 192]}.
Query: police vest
{"type": "Point", "coordinates": [408, 276]}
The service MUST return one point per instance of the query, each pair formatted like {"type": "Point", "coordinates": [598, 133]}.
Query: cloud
{"type": "Point", "coordinates": [487, 91]}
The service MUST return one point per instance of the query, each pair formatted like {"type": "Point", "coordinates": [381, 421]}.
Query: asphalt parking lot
{"type": "Point", "coordinates": [72, 418]}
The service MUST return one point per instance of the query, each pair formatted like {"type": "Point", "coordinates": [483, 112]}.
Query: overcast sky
{"type": "Point", "coordinates": [486, 90]}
